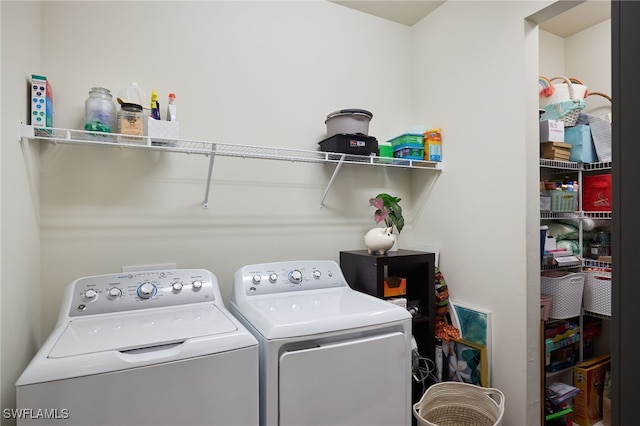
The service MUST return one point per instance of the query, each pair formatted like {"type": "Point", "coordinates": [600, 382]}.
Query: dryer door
{"type": "Point", "coordinates": [357, 382]}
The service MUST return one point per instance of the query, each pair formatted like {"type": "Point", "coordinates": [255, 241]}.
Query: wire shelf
{"type": "Point", "coordinates": [187, 146]}
{"type": "Point", "coordinates": [214, 149]}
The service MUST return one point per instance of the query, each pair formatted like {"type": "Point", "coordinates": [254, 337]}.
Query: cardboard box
{"type": "Point", "coordinates": [589, 377]}
{"type": "Point", "coordinates": [41, 105]}
{"type": "Point", "coordinates": [582, 148]}
{"type": "Point", "coordinates": [555, 151]}
{"type": "Point", "coordinates": [552, 131]}
{"type": "Point", "coordinates": [395, 286]}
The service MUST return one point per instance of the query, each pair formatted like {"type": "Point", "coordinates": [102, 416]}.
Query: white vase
{"type": "Point", "coordinates": [394, 247]}
{"type": "Point", "coordinates": [379, 240]}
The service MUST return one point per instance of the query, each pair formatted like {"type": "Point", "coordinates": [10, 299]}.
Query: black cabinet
{"type": "Point", "coordinates": [366, 273]}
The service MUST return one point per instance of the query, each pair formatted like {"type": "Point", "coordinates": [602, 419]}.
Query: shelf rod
{"type": "Point", "coordinates": [212, 157]}
{"type": "Point", "coordinates": [335, 172]}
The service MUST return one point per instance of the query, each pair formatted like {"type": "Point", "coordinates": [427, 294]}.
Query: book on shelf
{"type": "Point", "coordinates": [559, 392]}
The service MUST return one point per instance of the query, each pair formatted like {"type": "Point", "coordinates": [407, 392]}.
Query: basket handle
{"type": "Point", "coordinates": [569, 82]}
{"type": "Point", "coordinates": [492, 393]}
{"type": "Point", "coordinates": [604, 95]}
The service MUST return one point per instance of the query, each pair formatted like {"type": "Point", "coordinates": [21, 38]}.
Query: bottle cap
{"type": "Point", "coordinates": [172, 95]}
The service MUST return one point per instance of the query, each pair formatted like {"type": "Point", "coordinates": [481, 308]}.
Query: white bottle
{"type": "Point", "coordinates": [133, 94]}
{"type": "Point", "coordinates": [171, 107]}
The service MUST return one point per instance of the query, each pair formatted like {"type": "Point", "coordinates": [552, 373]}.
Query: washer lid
{"type": "Point", "coordinates": [312, 312]}
{"type": "Point", "coordinates": [127, 331]}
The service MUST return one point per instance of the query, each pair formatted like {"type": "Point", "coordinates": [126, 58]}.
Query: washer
{"type": "Point", "coordinates": [329, 355]}
{"type": "Point", "coordinates": [143, 348]}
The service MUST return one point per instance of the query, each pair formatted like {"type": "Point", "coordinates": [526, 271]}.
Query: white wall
{"type": "Point", "coordinates": [256, 73]}
{"type": "Point", "coordinates": [19, 227]}
{"type": "Point", "coordinates": [585, 55]}
{"type": "Point", "coordinates": [480, 213]}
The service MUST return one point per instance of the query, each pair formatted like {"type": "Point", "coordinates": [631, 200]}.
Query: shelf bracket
{"type": "Point", "coordinates": [335, 172]}
{"type": "Point", "coordinates": [212, 157]}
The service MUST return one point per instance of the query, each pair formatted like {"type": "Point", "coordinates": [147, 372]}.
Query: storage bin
{"type": "Point", "coordinates": [565, 292]}
{"type": "Point", "coordinates": [596, 192]}
{"type": "Point", "coordinates": [350, 144]}
{"type": "Point", "coordinates": [597, 291]}
{"type": "Point", "coordinates": [563, 201]}
{"type": "Point", "coordinates": [409, 151]}
{"type": "Point", "coordinates": [407, 138]}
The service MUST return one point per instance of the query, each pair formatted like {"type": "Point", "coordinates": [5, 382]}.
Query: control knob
{"type": "Point", "coordinates": [89, 295]}
{"type": "Point", "coordinates": [197, 285]}
{"type": "Point", "coordinates": [177, 286]}
{"type": "Point", "coordinates": [256, 279]}
{"type": "Point", "coordinates": [295, 276]}
{"type": "Point", "coordinates": [273, 277]}
{"type": "Point", "coordinates": [317, 274]}
{"type": "Point", "coordinates": [114, 293]}
{"type": "Point", "coordinates": [147, 290]}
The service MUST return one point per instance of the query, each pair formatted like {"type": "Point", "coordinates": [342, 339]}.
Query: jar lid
{"type": "Point", "coordinates": [131, 107]}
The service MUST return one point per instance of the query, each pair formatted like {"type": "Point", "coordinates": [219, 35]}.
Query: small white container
{"type": "Point", "coordinates": [348, 121]}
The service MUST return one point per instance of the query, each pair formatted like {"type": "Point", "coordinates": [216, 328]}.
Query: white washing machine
{"type": "Point", "coordinates": [143, 348]}
{"type": "Point", "coordinates": [329, 355]}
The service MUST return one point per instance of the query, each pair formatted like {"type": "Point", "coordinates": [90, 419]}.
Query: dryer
{"type": "Point", "coordinates": [143, 348]}
{"type": "Point", "coordinates": [329, 355]}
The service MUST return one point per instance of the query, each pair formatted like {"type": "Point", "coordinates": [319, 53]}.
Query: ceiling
{"type": "Point", "coordinates": [409, 12]}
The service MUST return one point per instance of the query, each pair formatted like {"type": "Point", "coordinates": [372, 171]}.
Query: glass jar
{"type": "Point", "coordinates": [99, 111]}
{"type": "Point", "coordinates": [131, 119]}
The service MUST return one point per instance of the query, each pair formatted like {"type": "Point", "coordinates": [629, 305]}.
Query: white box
{"type": "Point", "coordinates": [551, 131]}
{"type": "Point", "coordinates": [162, 132]}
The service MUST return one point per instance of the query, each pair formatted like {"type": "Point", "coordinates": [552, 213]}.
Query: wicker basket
{"type": "Point", "coordinates": [562, 107]}
{"type": "Point", "coordinates": [459, 404]}
{"type": "Point", "coordinates": [565, 291]}
{"type": "Point", "coordinates": [597, 291]}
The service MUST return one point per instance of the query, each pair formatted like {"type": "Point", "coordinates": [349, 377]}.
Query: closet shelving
{"type": "Point", "coordinates": [575, 170]}
{"type": "Point", "coordinates": [214, 149]}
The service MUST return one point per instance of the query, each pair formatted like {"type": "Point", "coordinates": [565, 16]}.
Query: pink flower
{"type": "Point", "coordinates": [382, 212]}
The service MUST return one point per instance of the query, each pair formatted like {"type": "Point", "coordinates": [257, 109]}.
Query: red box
{"type": "Point", "coordinates": [596, 193]}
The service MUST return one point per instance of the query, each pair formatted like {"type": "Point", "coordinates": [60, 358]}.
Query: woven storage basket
{"type": "Point", "coordinates": [563, 107]}
{"type": "Point", "coordinates": [566, 293]}
{"type": "Point", "coordinates": [459, 404]}
{"type": "Point", "coordinates": [597, 291]}
{"type": "Point", "coordinates": [571, 88]}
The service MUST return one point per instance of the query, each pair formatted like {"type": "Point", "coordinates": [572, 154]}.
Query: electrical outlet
{"type": "Point", "coordinates": [159, 266]}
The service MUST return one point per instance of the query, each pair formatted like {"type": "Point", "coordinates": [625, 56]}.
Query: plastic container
{"type": "Point", "coordinates": [350, 144]}
{"type": "Point", "coordinates": [348, 121]}
{"type": "Point", "coordinates": [133, 94]}
{"type": "Point", "coordinates": [409, 151]}
{"type": "Point", "coordinates": [407, 138]}
{"type": "Point", "coordinates": [100, 111]}
{"type": "Point", "coordinates": [565, 292]}
{"type": "Point", "coordinates": [563, 201]}
{"type": "Point", "coordinates": [597, 291]}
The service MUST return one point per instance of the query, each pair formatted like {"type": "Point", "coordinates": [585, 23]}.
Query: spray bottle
{"type": "Point", "coordinates": [155, 105]}
{"type": "Point", "coordinates": [171, 107]}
